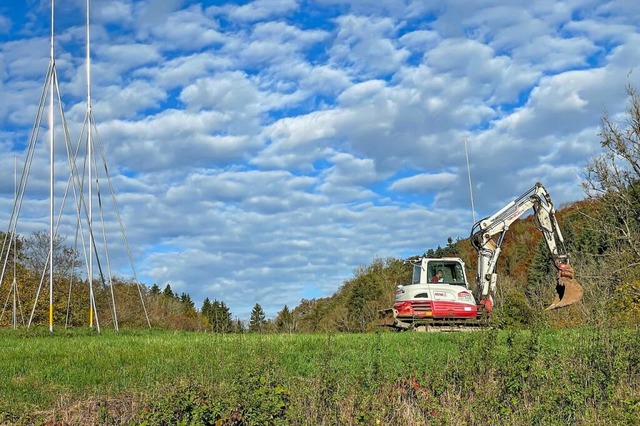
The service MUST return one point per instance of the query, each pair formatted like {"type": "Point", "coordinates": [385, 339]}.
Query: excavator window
{"type": "Point", "coordinates": [458, 275]}
{"type": "Point", "coordinates": [417, 270]}
{"type": "Point", "coordinates": [451, 271]}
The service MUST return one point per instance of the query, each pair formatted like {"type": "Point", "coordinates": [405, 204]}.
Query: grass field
{"type": "Point", "coordinates": [579, 376]}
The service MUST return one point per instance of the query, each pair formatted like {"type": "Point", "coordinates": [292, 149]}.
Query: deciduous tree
{"type": "Point", "coordinates": [36, 254]}
{"type": "Point", "coordinates": [614, 178]}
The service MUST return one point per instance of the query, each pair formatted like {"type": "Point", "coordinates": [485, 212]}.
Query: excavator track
{"type": "Point", "coordinates": [390, 319]}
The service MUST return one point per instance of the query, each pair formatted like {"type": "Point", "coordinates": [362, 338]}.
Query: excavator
{"type": "Point", "coordinates": [439, 297]}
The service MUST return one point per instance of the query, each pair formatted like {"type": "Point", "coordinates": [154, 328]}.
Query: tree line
{"type": "Point", "coordinates": [602, 234]}
{"type": "Point", "coordinates": [24, 296]}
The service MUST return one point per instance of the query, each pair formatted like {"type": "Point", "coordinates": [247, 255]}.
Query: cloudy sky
{"type": "Point", "coordinates": [260, 151]}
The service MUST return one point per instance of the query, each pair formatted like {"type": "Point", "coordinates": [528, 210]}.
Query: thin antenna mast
{"type": "Point", "coordinates": [51, 172]}
{"type": "Point", "coordinates": [473, 210]}
{"type": "Point", "coordinates": [15, 253]}
{"type": "Point", "coordinates": [89, 155]}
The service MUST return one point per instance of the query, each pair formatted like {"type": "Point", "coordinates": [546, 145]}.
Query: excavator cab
{"type": "Point", "coordinates": [438, 297]}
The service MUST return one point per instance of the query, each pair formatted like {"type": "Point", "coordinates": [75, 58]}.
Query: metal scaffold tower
{"type": "Point", "coordinates": [12, 294]}
{"type": "Point", "coordinates": [84, 184]}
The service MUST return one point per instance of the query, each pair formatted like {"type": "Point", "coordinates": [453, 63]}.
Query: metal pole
{"type": "Point", "coordinates": [15, 254]}
{"type": "Point", "coordinates": [89, 156]}
{"type": "Point", "coordinates": [51, 175]}
{"type": "Point", "coordinates": [473, 210]}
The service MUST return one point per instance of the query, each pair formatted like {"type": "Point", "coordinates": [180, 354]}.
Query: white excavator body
{"type": "Point", "coordinates": [439, 293]}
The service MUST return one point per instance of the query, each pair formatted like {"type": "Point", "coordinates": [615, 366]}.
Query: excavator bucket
{"type": "Point", "coordinates": [568, 289]}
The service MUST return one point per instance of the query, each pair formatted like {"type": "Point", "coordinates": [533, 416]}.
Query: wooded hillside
{"type": "Point", "coordinates": [526, 279]}
{"type": "Point", "coordinates": [602, 236]}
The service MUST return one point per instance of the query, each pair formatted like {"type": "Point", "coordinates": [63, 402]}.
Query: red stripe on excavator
{"type": "Point", "coordinates": [453, 309]}
{"type": "Point", "coordinates": [436, 309]}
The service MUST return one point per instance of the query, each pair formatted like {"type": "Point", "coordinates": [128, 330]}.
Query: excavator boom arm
{"type": "Point", "coordinates": [487, 236]}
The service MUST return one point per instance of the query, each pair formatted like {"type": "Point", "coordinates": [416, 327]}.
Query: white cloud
{"type": "Point", "coordinates": [397, 9]}
{"type": "Point", "coordinates": [5, 24]}
{"type": "Point", "coordinates": [419, 41]}
{"type": "Point", "coordinates": [175, 139]}
{"type": "Point", "coordinates": [273, 42]}
{"type": "Point", "coordinates": [559, 53]}
{"type": "Point", "coordinates": [352, 170]}
{"type": "Point", "coordinates": [296, 142]}
{"type": "Point", "coordinates": [262, 9]}
{"type": "Point", "coordinates": [112, 12]}
{"type": "Point", "coordinates": [227, 91]}
{"type": "Point", "coordinates": [366, 46]}
{"type": "Point", "coordinates": [424, 183]}
{"type": "Point", "coordinates": [115, 101]}
{"type": "Point", "coordinates": [128, 56]}
{"type": "Point", "coordinates": [189, 29]}
{"type": "Point", "coordinates": [183, 70]}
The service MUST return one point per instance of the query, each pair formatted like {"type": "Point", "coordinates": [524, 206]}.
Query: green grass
{"type": "Point", "coordinates": [525, 377]}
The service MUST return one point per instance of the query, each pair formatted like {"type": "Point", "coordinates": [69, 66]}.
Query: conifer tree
{"type": "Point", "coordinates": [167, 291]}
{"type": "Point", "coordinates": [206, 308]}
{"type": "Point", "coordinates": [220, 317]}
{"type": "Point", "coordinates": [257, 319]}
{"type": "Point", "coordinates": [285, 321]}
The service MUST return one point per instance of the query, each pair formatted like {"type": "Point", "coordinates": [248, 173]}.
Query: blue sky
{"type": "Point", "coordinates": [260, 151]}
